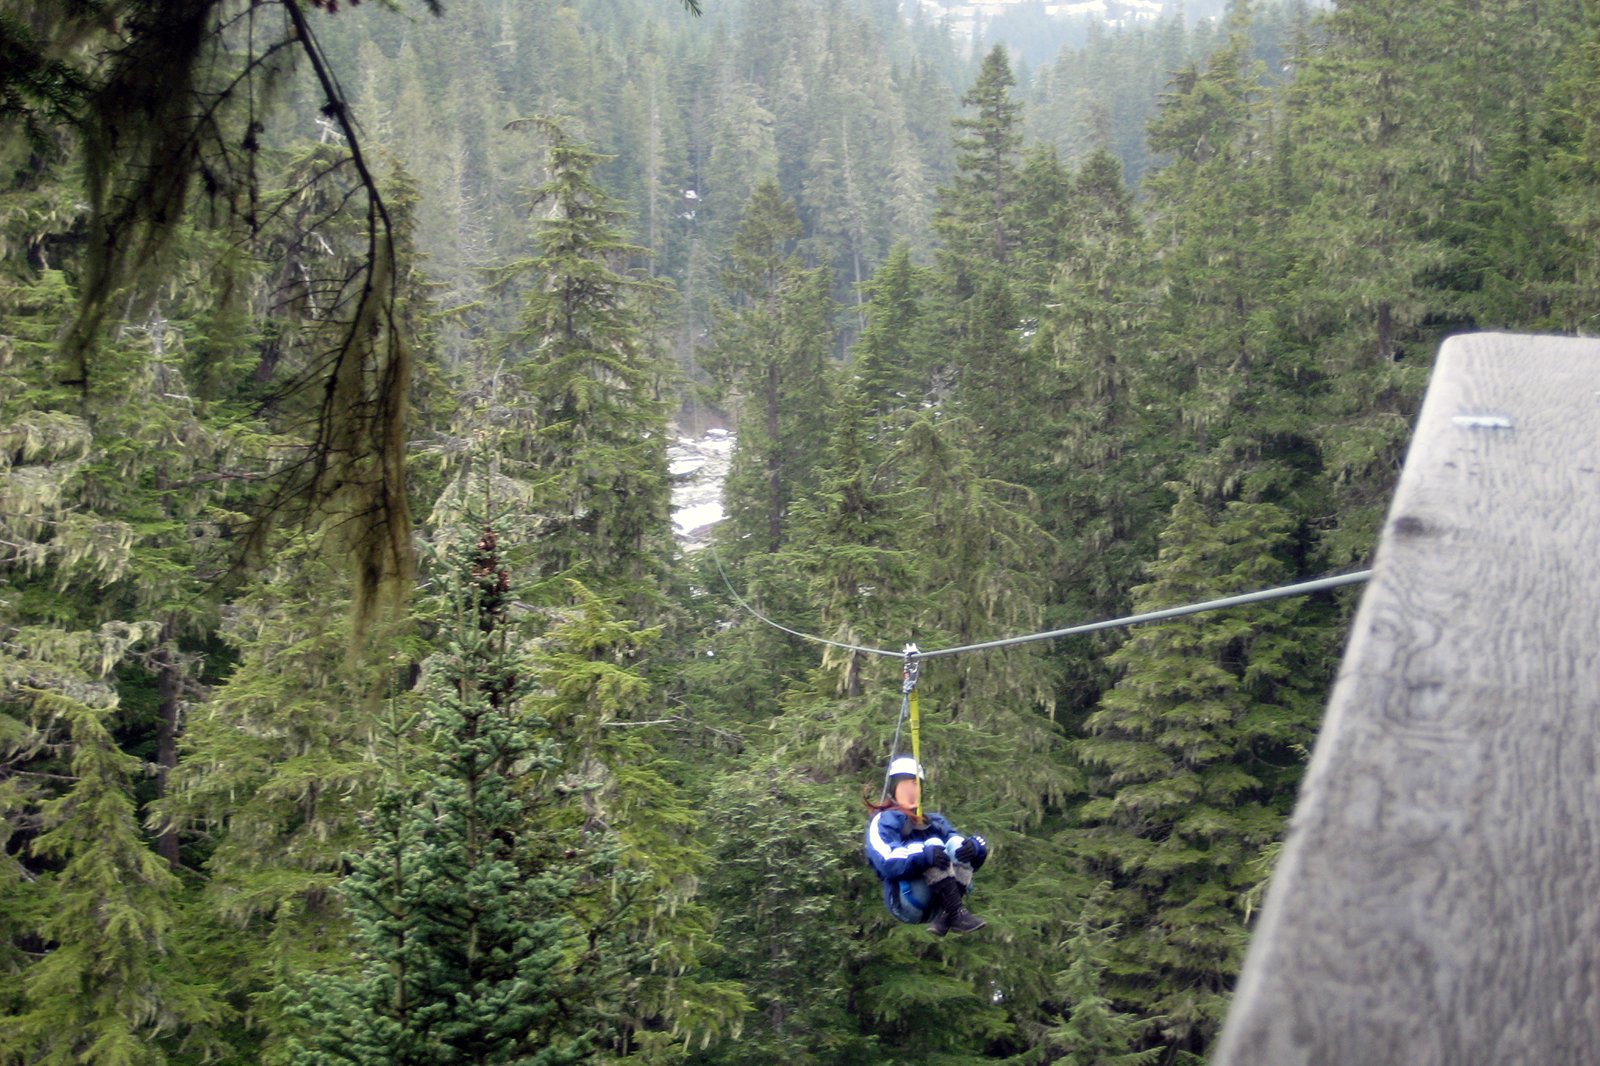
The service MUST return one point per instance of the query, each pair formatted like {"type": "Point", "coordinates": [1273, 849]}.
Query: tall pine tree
{"type": "Point", "coordinates": [772, 350]}
{"type": "Point", "coordinates": [1193, 758]}
{"type": "Point", "coordinates": [596, 456]}
{"type": "Point", "coordinates": [460, 929]}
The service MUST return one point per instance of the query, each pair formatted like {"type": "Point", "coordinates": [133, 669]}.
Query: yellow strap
{"type": "Point", "coordinates": [916, 744]}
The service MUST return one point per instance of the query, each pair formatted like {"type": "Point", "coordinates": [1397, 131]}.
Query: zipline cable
{"type": "Point", "coordinates": [1302, 588]}
{"type": "Point", "coordinates": [794, 632]}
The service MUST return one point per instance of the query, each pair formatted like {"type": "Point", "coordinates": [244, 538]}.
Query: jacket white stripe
{"type": "Point", "coordinates": [903, 851]}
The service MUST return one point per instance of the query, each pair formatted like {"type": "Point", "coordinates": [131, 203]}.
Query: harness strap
{"type": "Point", "coordinates": [908, 689]}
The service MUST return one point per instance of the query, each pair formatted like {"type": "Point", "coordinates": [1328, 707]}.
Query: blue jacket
{"type": "Point", "coordinates": [898, 849]}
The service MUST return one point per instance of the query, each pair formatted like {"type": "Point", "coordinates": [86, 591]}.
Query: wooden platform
{"type": "Point", "coordinates": [1437, 902]}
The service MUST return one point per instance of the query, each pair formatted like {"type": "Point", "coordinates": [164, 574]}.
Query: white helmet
{"type": "Point", "coordinates": [904, 766]}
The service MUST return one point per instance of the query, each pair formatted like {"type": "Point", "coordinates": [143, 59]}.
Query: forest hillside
{"type": "Point", "coordinates": [358, 704]}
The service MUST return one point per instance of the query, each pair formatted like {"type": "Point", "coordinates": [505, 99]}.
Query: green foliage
{"type": "Point", "coordinates": [976, 216]}
{"type": "Point", "coordinates": [100, 575]}
{"type": "Point", "coordinates": [457, 916]}
{"type": "Point", "coordinates": [105, 991]}
{"type": "Point", "coordinates": [646, 929]}
{"type": "Point", "coordinates": [527, 892]}
{"type": "Point", "coordinates": [275, 773]}
{"type": "Point", "coordinates": [1238, 390]}
{"type": "Point", "coordinates": [894, 357]}
{"type": "Point", "coordinates": [596, 449]}
{"type": "Point", "coordinates": [771, 351]}
{"type": "Point", "coordinates": [163, 103]}
{"type": "Point", "coordinates": [774, 853]}
{"type": "Point", "coordinates": [1093, 1032]}
{"type": "Point", "coordinates": [991, 277]}
{"type": "Point", "coordinates": [1103, 458]}
{"type": "Point", "coordinates": [963, 413]}
{"type": "Point", "coordinates": [1186, 755]}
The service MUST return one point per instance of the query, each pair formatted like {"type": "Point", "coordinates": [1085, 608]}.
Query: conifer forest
{"type": "Point", "coordinates": [360, 701]}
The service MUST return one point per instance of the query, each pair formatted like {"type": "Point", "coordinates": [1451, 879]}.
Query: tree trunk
{"type": "Point", "coordinates": [1386, 346]}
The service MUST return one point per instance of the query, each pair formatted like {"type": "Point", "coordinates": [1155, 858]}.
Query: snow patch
{"type": "Point", "coordinates": [698, 465]}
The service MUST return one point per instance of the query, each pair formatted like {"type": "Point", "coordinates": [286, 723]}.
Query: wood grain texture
{"type": "Point", "coordinates": [1437, 902]}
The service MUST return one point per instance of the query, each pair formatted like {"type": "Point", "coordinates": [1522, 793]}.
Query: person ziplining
{"type": "Point", "coordinates": [925, 864]}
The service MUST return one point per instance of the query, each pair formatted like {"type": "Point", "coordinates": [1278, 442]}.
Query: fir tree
{"type": "Point", "coordinates": [893, 358]}
{"type": "Point", "coordinates": [638, 902]}
{"type": "Point", "coordinates": [772, 348]}
{"type": "Point", "coordinates": [1518, 240]}
{"type": "Point", "coordinates": [1574, 133]}
{"type": "Point", "coordinates": [849, 540]}
{"type": "Point", "coordinates": [598, 445]}
{"type": "Point", "coordinates": [1093, 1031]}
{"type": "Point", "coordinates": [164, 102]}
{"type": "Point", "coordinates": [785, 892]}
{"type": "Point", "coordinates": [100, 906]}
{"type": "Point", "coordinates": [1237, 389]}
{"type": "Point", "coordinates": [99, 569]}
{"type": "Point", "coordinates": [1368, 235]}
{"type": "Point", "coordinates": [1107, 408]}
{"type": "Point", "coordinates": [274, 773]}
{"type": "Point", "coordinates": [1044, 194]}
{"type": "Point", "coordinates": [976, 217]}
{"type": "Point", "coordinates": [980, 220]}
{"type": "Point", "coordinates": [1187, 756]}
{"type": "Point", "coordinates": [460, 939]}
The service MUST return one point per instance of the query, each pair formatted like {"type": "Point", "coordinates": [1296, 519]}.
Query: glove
{"type": "Point", "coordinates": [937, 857]}
{"type": "Point", "coordinates": [970, 849]}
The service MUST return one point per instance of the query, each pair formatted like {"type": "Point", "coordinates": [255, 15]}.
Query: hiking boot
{"type": "Point", "coordinates": [950, 913]}
{"type": "Point", "coordinates": [964, 921]}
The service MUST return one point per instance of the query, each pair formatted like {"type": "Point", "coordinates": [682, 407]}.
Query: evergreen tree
{"type": "Point", "coordinates": [165, 103]}
{"type": "Point", "coordinates": [1574, 133]}
{"type": "Point", "coordinates": [838, 175]}
{"type": "Point", "coordinates": [1252, 325]}
{"type": "Point", "coordinates": [106, 989]}
{"type": "Point", "coordinates": [654, 139]}
{"type": "Point", "coordinates": [976, 217]}
{"type": "Point", "coordinates": [983, 563]}
{"type": "Point", "coordinates": [849, 541]}
{"type": "Point", "coordinates": [772, 351]}
{"type": "Point", "coordinates": [979, 221]}
{"type": "Point", "coordinates": [1519, 244]}
{"type": "Point", "coordinates": [1044, 192]}
{"type": "Point", "coordinates": [785, 890]}
{"type": "Point", "coordinates": [1094, 1032]}
{"type": "Point", "coordinates": [1109, 445]}
{"type": "Point", "coordinates": [741, 154]}
{"type": "Point", "coordinates": [893, 358]}
{"type": "Point", "coordinates": [1376, 160]}
{"type": "Point", "coordinates": [459, 922]}
{"type": "Point", "coordinates": [1236, 388]}
{"type": "Point", "coordinates": [1193, 758]}
{"type": "Point", "coordinates": [98, 574]}
{"type": "Point", "coordinates": [639, 848]}
{"type": "Point", "coordinates": [597, 450]}
{"type": "Point", "coordinates": [994, 752]}
{"type": "Point", "coordinates": [274, 772]}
